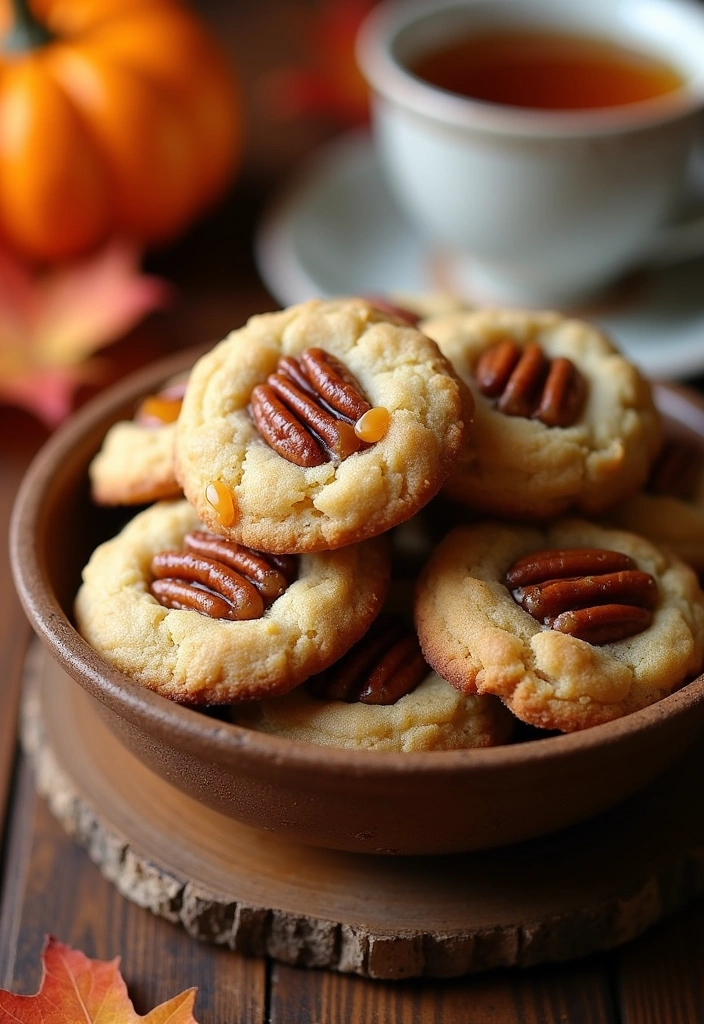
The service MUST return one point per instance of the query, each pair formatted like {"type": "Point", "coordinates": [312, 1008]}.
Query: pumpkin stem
{"type": "Point", "coordinates": [26, 32]}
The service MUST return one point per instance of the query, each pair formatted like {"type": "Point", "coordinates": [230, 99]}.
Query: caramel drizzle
{"type": "Point", "coordinates": [526, 383]}
{"type": "Point", "coordinates": [307, 410]}
{"type": "Point", "coordinates": [385, 665]}
{"type": "Point", "coordinates": [219, 578]}
{"type": "Point", "coordinates": [593, 594]}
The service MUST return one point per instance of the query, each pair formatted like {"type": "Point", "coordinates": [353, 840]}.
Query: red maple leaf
{"type": "Point", "coordinates": [77, 990]}
{"type": "Point", "coordinates": [53, 321]}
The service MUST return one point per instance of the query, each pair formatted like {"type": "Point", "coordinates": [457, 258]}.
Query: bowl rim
{"type": "Point", "coordinates": [222, 742]}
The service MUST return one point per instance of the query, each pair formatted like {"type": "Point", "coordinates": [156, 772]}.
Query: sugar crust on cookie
{"type": "Point", "coordinates": [475, 635]}
{"type": "Point", "coordinates": [435, 716]}
{"type": "Point", "coordinates": [192, 658]}
{"type": "Point", "coordinates": [520, 468]}
{"type": "Point", "coordinates": [283, 507]}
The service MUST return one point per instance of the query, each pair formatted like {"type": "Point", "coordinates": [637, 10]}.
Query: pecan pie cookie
{"type": "Point", "coordinates": [135, 464]}
{"type": "Point", "coordinates": [202, 620]}
{"type": "Point", "coordinates": [382, 695]}
{"type": "Point", "coordinates": [571, 626]}
{"type": "Point", "coordinates": [562, 420]}
{"type": "Point", "coordinates": [318, 426]}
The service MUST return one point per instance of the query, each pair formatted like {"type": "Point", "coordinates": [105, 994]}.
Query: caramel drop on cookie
{"type": "Point", "coordinates": [157, 410]}
{"type": "Point", "coordinates": [220, 497]}
{"type": "Point", "coordinates": [373, 424]}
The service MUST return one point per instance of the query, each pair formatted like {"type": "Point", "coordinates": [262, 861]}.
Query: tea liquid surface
{"type": "Point", "coordinates": [546, 71]}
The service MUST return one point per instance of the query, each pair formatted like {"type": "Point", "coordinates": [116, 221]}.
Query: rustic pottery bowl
{"type": "Point", "coordinates": [420, 803]}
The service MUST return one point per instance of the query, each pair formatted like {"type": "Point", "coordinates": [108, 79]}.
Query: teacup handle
{"type": "Point", "coordinates": [683, 239]}
{"type": "Point", "coordinates": [676, 242]}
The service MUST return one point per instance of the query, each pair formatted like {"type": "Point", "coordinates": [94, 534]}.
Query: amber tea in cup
{"type": "Point", "coordinates": [541, 148]}
{"type": "Point", "coordinates": [546, 71]}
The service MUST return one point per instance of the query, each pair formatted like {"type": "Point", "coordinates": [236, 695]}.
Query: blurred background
{"type": "Point", "coordinates": [299, 87]}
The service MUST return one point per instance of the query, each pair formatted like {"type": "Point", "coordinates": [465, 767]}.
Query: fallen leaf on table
{"type": "Point", "coordinates": [52, 321]}
{"type": "Point", "coordinates": [77, 990]}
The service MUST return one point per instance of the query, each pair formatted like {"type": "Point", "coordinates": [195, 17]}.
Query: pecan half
{"type": "Point", "coordinates": [677, 470]}
{"type": "Point", "coordinates": [523, 388]}
{"type": "Point", "coordinates": [385, 665]}
{"type": "Point", "coordinates": [604, 624]}
{"type": "Point", "coordinates": [334, 383]}
{"type": "Point", "coordinates": [406, 316]}
{"type": "Point", "coordinates": [562, 563]}
{"type": "Point", "coordinates": [547, 600]}
{"type": "Point", "coordinates": [270, 574]}
{"type": "Point", "coordinates": [524, 382]}
{"type": "Point", "coordinates": [219, 578]}
{"type": "Point", "coordinates": [337, 435]}
{"type": "Point", "coordinates": [308, 409]}
{"type": "Point", "coordinates": [282, 431]}
{"type": "Point", "coordinates": [593, 594]}
{"type": "Point", "coordinates": [562, 396]}
{"type": "Point", "coordinates": [494, 367]}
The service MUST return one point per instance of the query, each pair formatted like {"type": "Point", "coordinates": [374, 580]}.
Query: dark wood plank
{"type": "Point", "coordinates": [21, 437]}
{"type": "Point", "coordinates": [577, 993]}
{"type": "Point", "coordinates": [660, 975]}
{"type": "Point", "coordinates": [51, 887]}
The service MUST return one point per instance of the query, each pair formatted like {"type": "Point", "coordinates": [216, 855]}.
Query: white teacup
{"type": "Point", "coordinates": [542, 206]}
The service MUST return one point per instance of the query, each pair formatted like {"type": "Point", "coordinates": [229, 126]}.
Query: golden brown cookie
{"type": "Point", "coordinates": [256, 470]}
{"type": "Point", "coordinates": [435, 716]}
{"type": "Point", "coordinates": [564, 647]}
{"type": "Point", "coordinates": [135, 463]}
{"type": "Point", "coordinates": [381, 695]}
{"type": "Point", "coordinates": [137, 608]}
{"type": "Point", "coordinates": [562, 420]}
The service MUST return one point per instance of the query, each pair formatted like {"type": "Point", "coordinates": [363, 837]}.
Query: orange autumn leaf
{"type": "Point", "coordinates": [77, 990]}
{"type": "Point", "coordinates": [52, 321]}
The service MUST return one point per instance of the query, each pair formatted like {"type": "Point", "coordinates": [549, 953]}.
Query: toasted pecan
{"type": "Point", "coordinates": [593, 594]}
{"type": "Point", "coordinates": [219, 578]}
{"type": "Point", "coordinates": [307, 410]}
{"type": "Point", "coordinates": [524, 382]}
{"type": "Point", "coordinates": [385, 665]}
{"type": "Point", "coordinates": [604, 624]}
{"type": "Point", "coordinates": [282, 431]}
{"type": "Point", "coordinates": [677, 470]}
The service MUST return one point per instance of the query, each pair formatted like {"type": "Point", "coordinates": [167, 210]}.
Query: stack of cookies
{"type": "Point", "coordinates": [301, 561]}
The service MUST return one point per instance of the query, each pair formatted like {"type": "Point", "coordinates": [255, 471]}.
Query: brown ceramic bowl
{"type": "Point", "coordinates": [350, 800]}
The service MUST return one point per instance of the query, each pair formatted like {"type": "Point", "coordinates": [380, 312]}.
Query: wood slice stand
{"type": "Point", "coordinates": [588, 888]}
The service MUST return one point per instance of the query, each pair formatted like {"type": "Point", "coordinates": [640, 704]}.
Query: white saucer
{"type": "Point", "coordinates": [336, 231]}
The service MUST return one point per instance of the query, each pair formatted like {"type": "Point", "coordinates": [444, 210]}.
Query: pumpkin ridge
{"type": "Point", "coordinates": [151, 115]}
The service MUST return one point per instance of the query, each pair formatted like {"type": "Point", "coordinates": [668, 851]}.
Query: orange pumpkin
{"type": "Point", "coordinates": [116, 116]}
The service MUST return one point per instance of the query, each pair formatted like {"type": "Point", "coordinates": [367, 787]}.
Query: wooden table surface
{"type": "Point", "coordinates": [49, 886]}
